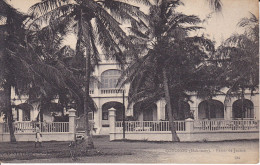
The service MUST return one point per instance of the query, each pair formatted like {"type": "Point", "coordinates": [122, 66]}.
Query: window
{"type": "Point", "coordinates": [104, 114]}
{"type": "Point", "coordinates": [90, 116]}
{"type": "Point", "coordinates": [109, 78]}
{"type": "Point", "coordinates": [91, 85]}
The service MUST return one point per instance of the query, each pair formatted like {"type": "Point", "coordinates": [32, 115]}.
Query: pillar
{"type": "Point", "coordinates": [20, 113]}
{"type": "Point", "coordinates": [72, 124]}
{"type": "Point", "coordinates": [189, 125]}
{"type": "Point", "coordinates": [1, 128]}
{"type": "Point", "coordinates": [161, 109]}
{"type": "Point", "coordinates": [112, 121]}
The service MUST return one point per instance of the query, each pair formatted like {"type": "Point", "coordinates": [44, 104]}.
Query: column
{"type": "Point", "coordinates": [161, 109]}
{"type": "Point", "coordinates": [1, 128]}
{"type": "Point", "coordinates": [72, 126]}
{"type": "Point", "coordinates": [189, 124]}
{"type": "Point", "coordinates": [112, 121]}
{"type": "Point", "coordinates": [189, 127]}
{"type": "Point", "coordinates": [20, 113]}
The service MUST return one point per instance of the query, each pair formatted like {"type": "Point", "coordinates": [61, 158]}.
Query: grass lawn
{"type": "Point", "coordinates": [134, 152]}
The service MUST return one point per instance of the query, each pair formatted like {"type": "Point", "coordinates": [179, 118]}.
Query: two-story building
{"type": "Point", "coordinates": [106, 95]}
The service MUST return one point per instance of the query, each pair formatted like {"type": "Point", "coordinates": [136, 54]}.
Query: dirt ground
{"type": "Point", "coordinates": [139, 152]}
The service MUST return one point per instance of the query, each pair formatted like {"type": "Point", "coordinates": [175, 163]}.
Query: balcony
{"type": "Point", "coordinates": [106, 92]}
{"type": "Point", "coordinates": [111, 91]}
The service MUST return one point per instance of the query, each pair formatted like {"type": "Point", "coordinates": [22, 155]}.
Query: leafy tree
{"type": "Point", "coordinates": [53, 79]}
{"type": "Point", "coordinates": [30, 64]}
{"type": "Point", "coordinates": [172, 61]}
{"type": "Point", "coordinates": [96, 24]}
{"type": "Point", "coordinates": [14, 71]}
{"type": "Point", "coordinates": [241, 50]}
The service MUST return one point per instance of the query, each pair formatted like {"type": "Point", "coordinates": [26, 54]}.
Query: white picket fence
{"type": "Point", "coordinates": [29, 127]}
{"type": "Point", "coordinates": [197, 125]}
{"type": "Point", "coordinates": [137, 126]}
{"type": "Point", "coordinates": [226, 125]}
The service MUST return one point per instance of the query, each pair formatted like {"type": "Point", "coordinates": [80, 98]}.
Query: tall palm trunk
{"type": "Point", "coordinates": [175, 138]}
{"type": "Point", "coordinates": [86, 94]}
{"type": "Point", "coordinates": [9, 114]}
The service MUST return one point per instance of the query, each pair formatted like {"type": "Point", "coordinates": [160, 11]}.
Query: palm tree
{"type": "Point", "coordinates": [53, 78]}
{"type": "Point", "coordinates": [242, 50]}
{"type": "Point", "coordinates": [172, 60]}
{"type": "Point", "coordinates": [96, 23]}
{"type": "Point", "coordinates": [30, 64]}
{"type": "Point", "coordinates": [14, 70]}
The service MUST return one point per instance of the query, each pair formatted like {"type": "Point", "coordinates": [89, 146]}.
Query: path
{"type": "Point", "coordinates": [149, 152]}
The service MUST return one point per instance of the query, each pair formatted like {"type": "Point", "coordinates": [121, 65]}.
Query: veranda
{"type": "Point", "coordinates": [51, 131]}
{"type": "Point", "coordinates": [187, 130]}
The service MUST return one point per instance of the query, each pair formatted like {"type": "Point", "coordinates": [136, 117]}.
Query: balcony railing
{"type": "Point", "coordinates": [111, 91]}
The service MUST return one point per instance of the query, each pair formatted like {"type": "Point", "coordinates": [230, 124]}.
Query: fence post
{"type": "Point", "coordinates": [1, 128]}
{"type": "Point", "coordinates": [112, 122]}
{"type": "Point", "coordinates": [72, 115]}
{"type": "Point", "coordinates": [189, 123]}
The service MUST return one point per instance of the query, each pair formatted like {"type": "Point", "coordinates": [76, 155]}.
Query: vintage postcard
{"type": "Point", "coordinates": [129, 81]}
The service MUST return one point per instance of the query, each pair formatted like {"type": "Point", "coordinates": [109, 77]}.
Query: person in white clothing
{"type": "Point", "coordinates": [38, 136]}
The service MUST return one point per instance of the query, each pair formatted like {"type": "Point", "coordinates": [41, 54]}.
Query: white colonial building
{"type": "Point", "coordinates": [107, 96]}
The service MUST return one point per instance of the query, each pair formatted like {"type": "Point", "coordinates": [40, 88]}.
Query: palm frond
{"type": "Point", "coordinates": [216, 5]}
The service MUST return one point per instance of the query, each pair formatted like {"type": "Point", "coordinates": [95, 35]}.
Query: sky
{"type": "Point", "coordinates": [219, 27]}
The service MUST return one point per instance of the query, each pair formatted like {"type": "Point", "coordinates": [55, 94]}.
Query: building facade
{"type": "Point", "coordinates": [107, 95]}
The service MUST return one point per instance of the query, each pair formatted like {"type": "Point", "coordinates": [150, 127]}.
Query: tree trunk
{"type": "Point", "coordinates": [41, 116]}
{"type": "Point", "coordinates": [86, 94]}
{"type": "Point", "coordinates": [9, 114]}
{"type": "Point", "coordinates": [175, 138]}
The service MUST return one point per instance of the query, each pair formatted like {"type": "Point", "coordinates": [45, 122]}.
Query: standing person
{"type": "Point", "coordinates": [38, 135]}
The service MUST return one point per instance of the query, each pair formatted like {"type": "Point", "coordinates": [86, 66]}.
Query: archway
{"type": "Point", "coordinates": [149, 112]}
{"type": "Point", "coordinates": [243, 109]}
{"type": "Point", "coordinates": [113, 104]}
{"type": "Point", "coordinates": [182, 113]}
{"type": "Point", "coordinates": [211, 109]}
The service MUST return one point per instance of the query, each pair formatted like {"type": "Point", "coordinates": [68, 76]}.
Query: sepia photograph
{"type": "Point", "coordinates": [129, 81]}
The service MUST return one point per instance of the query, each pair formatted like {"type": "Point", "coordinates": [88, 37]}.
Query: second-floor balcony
{"type": "Point", "coordinates": [111, 91]}
{"type": "Point", "coordinates": [107, 84]}
{"type": "Point", "coordinates": [107, 91]}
